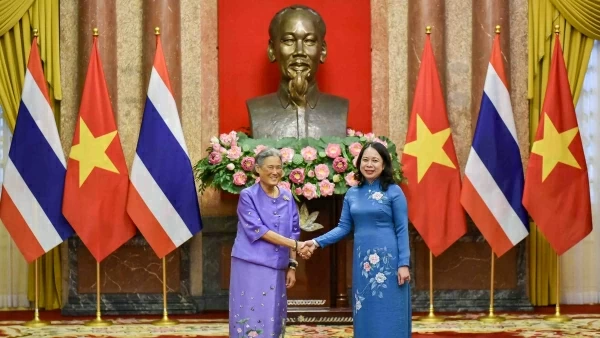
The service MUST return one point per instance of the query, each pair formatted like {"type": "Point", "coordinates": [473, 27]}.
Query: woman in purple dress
{"type": "Point", "coordinates": [263, 259]}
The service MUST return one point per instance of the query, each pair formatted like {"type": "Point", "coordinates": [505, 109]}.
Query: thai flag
{"type": "Point", "coordinates": [162, 200]}
{"type": "Point", "coordinates": [32, 192]}
{"type": "Point", "coordinates": [493, 185]}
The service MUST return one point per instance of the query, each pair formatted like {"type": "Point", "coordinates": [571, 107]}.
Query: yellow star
{"type": "Point", "coordinates": [428, 148]}
{"type": "Point", "coordinates": [91, 152]}
{"type": "Point", "coordinates": [554, 147]}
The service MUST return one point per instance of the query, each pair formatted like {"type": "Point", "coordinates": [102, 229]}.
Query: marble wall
{"type": "Point", "coordinates": [391, 46]}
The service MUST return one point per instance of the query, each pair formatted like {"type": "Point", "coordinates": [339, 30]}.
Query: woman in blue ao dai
{"type": "Point", "coordinates": [376, 212]}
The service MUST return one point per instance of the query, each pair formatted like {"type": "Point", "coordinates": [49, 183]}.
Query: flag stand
{"type": "Point", "coordinates": [431, 317]}
{"type": "Point", "coordinates": [557, 317]}
{"type": "Point", "coordinates": [36, 322]}
{"type": "Point", "coordinates": [165, 321]}
{"type": "Point", "coordinates": [98, 322]}
{"type": "Point", "coordinates": [491, 317]}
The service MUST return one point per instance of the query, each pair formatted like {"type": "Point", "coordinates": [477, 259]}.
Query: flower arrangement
{"type": "Point", "coordinates": [312, 167]}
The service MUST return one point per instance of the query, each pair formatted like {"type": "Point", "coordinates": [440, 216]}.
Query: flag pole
{"type": "Point", "coordinates": [557, 317]}
{"type": "Point", "coordinates": [36, 322]}
{"type": "Point", "coordinates": [431, 317]}
{"type": "Point", "coordinates": [98, 322]}
{"type": "Point", "coordinates": [491, 317]}
{"type": "Point", "coordinates": [165, 321]}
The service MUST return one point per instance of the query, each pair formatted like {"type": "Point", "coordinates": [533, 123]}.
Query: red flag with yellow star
{"type": "Point", "coordinates": [557, 191]}
{"type": "Point", "coordinates": [97, 180]}
{"type": "Point", "coordinates": [430, 164]}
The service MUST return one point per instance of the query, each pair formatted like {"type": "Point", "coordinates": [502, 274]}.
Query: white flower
{"type": "Point", "coordinates": [377, 196]}
{"type": "Point", "coordinates": [374, 258]}
{"type": "Point", "coordinates": [380, 277]}
{"type": "Point", "coordinates": [358, 305]}
{"type": "Point", "coordinates": [214, 140]}
{"type": "Point", "coordinates": [230, 166]}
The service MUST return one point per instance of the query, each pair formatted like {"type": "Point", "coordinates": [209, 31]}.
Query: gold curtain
{"type": "Point", "coordinates": [15, 43]}
{"type": "Point", "coordinates": [584, 15]}
{"type": "Point", "coordinates": [577, 47]}
{"type": "Point", "coordinates": [18, 19]}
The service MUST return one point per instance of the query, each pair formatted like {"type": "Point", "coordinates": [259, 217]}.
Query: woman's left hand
{"type": "Point", "coordinates": [403, 275]}
{"type": "Point", "coordinates": [290, 278]}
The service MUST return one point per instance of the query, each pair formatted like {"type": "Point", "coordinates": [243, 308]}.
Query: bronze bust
{"type": "Point", "coordinates": [298, 108]}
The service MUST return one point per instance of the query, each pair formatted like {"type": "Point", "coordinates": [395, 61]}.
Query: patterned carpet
{"type": "Point", "coordinates": [521, 325]}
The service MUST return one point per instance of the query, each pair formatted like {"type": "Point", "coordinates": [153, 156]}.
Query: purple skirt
{"type": "Point", "coordinates": [257, 300]}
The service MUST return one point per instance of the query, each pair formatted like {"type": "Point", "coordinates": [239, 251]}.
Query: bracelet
{"type": "Point", "coordinates": [296, 245]}
{"type": "Point", "coordinates": [293, 261]}
{"type": "Point", "coordinates": [293, 265]}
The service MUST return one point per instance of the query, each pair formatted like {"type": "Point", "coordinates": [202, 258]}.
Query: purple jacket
{"type": "Point", "coordinates": [259, 213]}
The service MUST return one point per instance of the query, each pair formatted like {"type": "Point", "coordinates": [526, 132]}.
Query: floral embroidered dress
{"type": "Point", "coordinates": [379, 219]}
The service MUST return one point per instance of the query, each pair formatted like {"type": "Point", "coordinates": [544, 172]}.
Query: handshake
{"type": "Point", "coordinates": [306, 249]}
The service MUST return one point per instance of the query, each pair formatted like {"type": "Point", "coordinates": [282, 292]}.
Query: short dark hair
{"type": "Point", "coordinates": [387, 175]}
{"type": "Point", "coordinates": [276, 21]}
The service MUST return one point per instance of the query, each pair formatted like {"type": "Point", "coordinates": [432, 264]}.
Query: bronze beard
{"type": "Point", "coordinates": [298, 86]}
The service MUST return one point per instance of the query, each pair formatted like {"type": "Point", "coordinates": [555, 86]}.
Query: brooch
{"type": "Point", "coordinates": [286, 198]}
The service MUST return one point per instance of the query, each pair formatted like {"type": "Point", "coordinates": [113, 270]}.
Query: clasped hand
{"type": "Point", "coordinates": [306, 249]}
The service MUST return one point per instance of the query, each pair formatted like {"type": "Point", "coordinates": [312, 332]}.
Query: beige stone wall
{"type": "Point", "coordinates": [199, 55]}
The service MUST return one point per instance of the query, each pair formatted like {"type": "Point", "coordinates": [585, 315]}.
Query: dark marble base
{"type": "Point", "coordinates": [134, 304]}
{"type": "Point", "coordinates": [130, 281]}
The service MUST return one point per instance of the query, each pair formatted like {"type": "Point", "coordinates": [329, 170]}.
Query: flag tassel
{"type": "Point", "coordinates": [165, 321]}
{"type": "Point", "coordinates": [98, 321]}
{"type": "Point", "coordinates": [36, 322]}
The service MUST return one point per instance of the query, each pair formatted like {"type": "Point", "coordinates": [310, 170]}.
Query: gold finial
{"type": "Point", "coordinates": [35, 32]}
{"type": "Point", "coordinates": [156, 30]}
{"type": "Point", "coordinates": [428, 30]}
{"type": "Point", "coordinates": [95, 31]}
{"type": "Point", "coordinates": [497, 29]}
{"type": "Point", "coordinates": [556, 29]}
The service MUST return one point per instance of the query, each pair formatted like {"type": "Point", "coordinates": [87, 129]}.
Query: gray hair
{"type": "Point", "coordinates": [267, 152]}
{"type": "Point", "coordinates": [276, 21]}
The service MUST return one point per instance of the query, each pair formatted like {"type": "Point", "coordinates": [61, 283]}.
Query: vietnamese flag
{"type": "Point", "coordinates": [430, 164]}
{"type": "Point", "coordinates": [557, 191]}
{"type": "Point", "coordinates": [97, 180]}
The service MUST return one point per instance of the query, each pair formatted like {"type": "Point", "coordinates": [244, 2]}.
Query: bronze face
{"type": "Point", "coordinates": [297, 44]}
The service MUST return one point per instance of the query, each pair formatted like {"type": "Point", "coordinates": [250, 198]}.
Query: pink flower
{"type": "Point", "coordinates": [309, 154]}
{"type": "Point", "coordinates": [248, 163]}
{"type": "Point", "coordinates": [340, 164]}
{"type": "Point", "coordinates": [333, 150]}
{"type": "Point", "coordinates": [239, 178]}
{"type": "Point", "coordinates": [350, 180]}
{"type": "Point", "coordinates": [367, 266]}
{"type": "Point", "coordinates": [370, 136]}
{"type": "Point", "coordinates": [230, 166]}
{"type": "Point", "coordinates": [378, 140]}
{"type": "Point", "coordinates": [355, 148]}
{"type": "Point", "coordinates": [354, 162]}
{"type": "Point", "coordinates": [252, 334]}
{"type": "Point", "coordinates": [234, 153]}
{"type": "Point", "coordinates": [311, 173]}
{"type": "Point", "coordinates": [309, 191]}
{"type": "Point", "coordinates": [298, 191]}
{"type": "Point", "coordinates": [326, 188]}
{"type": "Point", "coordinates": [322, 171]}
{"type": "Point", "coordinates": [297, 176]}
{"type": "Point", "coordinates": [350, 132]}
{"type": "Point", "coordinates": [284, 185]}
{"type": "Point", "coordinates": [259, 148]}
{"type": "Point", "coordinates": [223, 150]}
{"type": "Point", "coordinates": [225, 139]}
{"type": "Point", "coordinates": [287, 154]}
{"type": "Point", "coordinates": [359, 133]}
{"type": "Point", "coordinates": [214, 158]}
